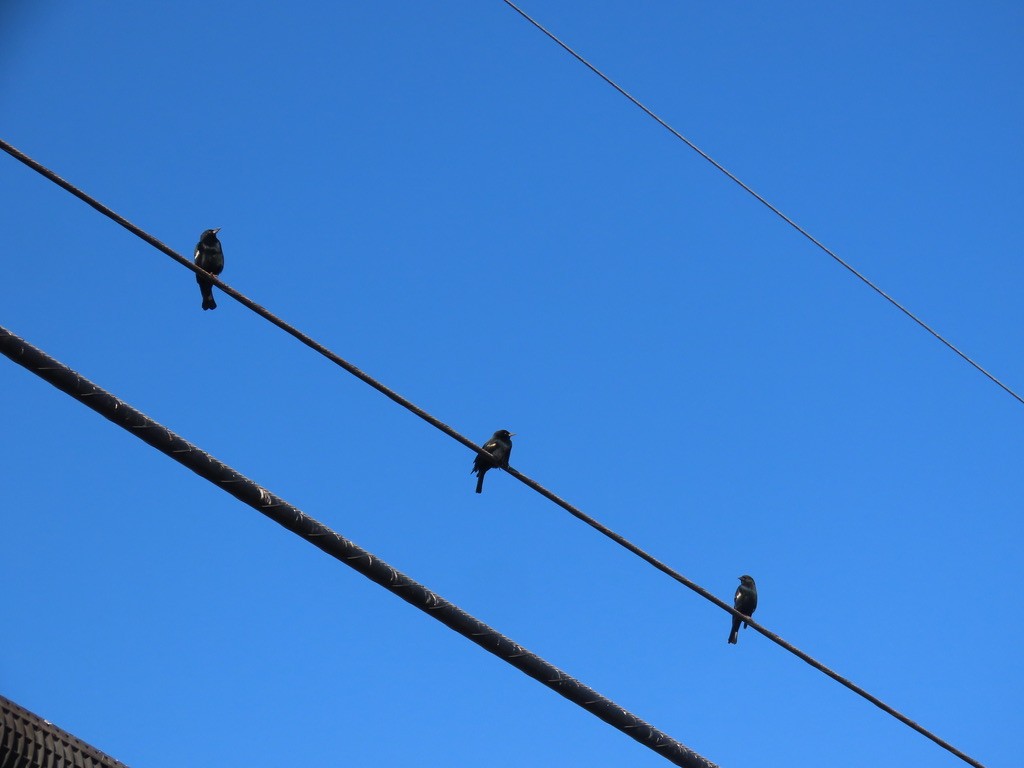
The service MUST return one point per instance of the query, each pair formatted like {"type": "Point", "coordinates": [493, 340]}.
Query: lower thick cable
{"type": "Point", "coordinates": [340, 548]}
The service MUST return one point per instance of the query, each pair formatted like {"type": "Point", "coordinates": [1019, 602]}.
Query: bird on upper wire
{"type": "Point", "coordinates": [745, 601]}
{"type": "Point", "coordinates": [210, 258]}
{"type": "Point", "coordinates": [496, 453]}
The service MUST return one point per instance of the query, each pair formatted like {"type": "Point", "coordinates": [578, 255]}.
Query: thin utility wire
{"type": "Point", "coordinates": [340, 548]}
{"type": "Point", "coordinates": [763, 201]}
{"type": "Point", "coordinates": [579, 514]}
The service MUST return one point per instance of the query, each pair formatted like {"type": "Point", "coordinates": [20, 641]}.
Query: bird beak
{"type": "Point", "coordinates": [511, 434]}
{"type": "Point", "coordinates": [216, 230]}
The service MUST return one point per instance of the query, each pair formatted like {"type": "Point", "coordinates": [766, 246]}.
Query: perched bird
{"type": "Point", "coordinates": [209, 257]}
{"type": "Point", "coordinates": [497, 449]}
{"type": "Point", "coordinates": [745, 602]}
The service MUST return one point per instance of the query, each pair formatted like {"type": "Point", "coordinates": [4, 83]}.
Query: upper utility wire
{"type": "Point", "coordinates": [765, 202]}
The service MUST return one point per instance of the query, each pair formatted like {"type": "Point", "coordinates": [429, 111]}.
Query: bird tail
{"type": "Point", "coordinates": [480, 483]}
{"type": "Point", "coordinates": [734, 634]}
{"type": "Point", "coordinates": [206, 288]}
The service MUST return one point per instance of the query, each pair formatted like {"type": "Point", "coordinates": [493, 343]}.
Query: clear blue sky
{"type": "Point", "coordinates": [446, 199]}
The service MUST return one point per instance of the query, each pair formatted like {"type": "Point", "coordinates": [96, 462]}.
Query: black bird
{"type": "Point", "coordinates": [209, 257]}
{"type": "Point", "coordinates": [497, 449]}
{"type": "Point", "coordinates": [745, 602]}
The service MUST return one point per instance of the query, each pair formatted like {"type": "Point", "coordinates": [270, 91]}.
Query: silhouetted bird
{"type": "Point", "coordinates": [745, 602]}
{"type": "Point", "coordinates": [209, 257]}
{"type": "Point", "coordinates": [498, 449]}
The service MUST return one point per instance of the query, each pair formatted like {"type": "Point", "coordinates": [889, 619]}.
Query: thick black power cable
{"type": "Point", "coordinates": [340, 548]}
{"type": "Point", "coordinates": [763, 201]}
{"type": "Point", "coordinates": [469, 444]}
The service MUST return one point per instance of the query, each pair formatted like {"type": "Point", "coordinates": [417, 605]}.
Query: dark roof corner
{"type": "Point", "coordinates": [29, 741]}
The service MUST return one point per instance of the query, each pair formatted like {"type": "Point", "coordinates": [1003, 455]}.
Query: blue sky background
{"type": "Point", "coordinates": [447, 200]}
